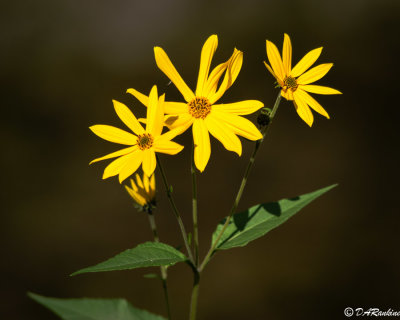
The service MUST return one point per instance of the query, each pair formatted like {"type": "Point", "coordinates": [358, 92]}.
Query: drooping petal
{"type": "Point", "coordinates": [231, 73]}
{"type": "Point", "coordinates": [146, 183]}
{"type": "Point", "coordinates": [167, 146]}
{"type": "Point", "coordinates": [304, 96]}
{"type": "Point", "coordinates": [140, 96]}
{"type": "Point", "coordinates": [133, 163]}
{"type": "Point", "coordinates": [275, 60]}
{"type": "Point", "coordinates": [213, 79]}
{"type": "Point", "coordinates": [320, 89]}
{"type": "Point", "coordinates": [239, 125]}
{"type": "Point", "coordinates": [314, 74]}
{"type": "Point", "coordinates": [207, 54]}
{"type": "Point", "coordinates": [133, 185]}
{"type": "Point", "coordinates": [303, 110]}
{"type": "Point", "coordinates": [239, 108]}
{"type": "Point", "coordinates": [166, 66]}
{"type": "Point", "coordinates": [287, 54]}
{"type": "Point", "coordinates": [139, 181]}
{"type": "Point", "coordinates": [115, 154]}
{"type": "Point", "coordinates": [128, 117]}
{"type": "Point", "coordinates": [139, 199]}
{"type": "Point", "coordinates": [113, 134]}
{"type": "Point", "coordinates": [224, 134]}
{"type": "Point", "coordinates": [280, 82]}
{"type": "Point", "coordinates": [152, 186]}
{"type": "Point", "coordinates": [175, 107]}
{"type": "Point", "coordinates": [201, 140]}
{"type": "Point", "coordinates": [182, 121]}
{"type": "Point", "coordinates": [306, 62]}
{"type": "Point", "coordinates": [149, 161]}
{"type": "Point", "coordinates": [117, 165]}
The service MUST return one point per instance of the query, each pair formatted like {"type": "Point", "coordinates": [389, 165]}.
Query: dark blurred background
{"type": "Point", "coordinates": [61, 64]}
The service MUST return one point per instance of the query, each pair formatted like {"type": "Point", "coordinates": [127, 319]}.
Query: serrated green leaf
{"type": "Point", "coordinates": [260, 219]}
{"type": "Point", "coordinates": [94, 309]}
{"type": "Point", "coordinates": [149, 254]}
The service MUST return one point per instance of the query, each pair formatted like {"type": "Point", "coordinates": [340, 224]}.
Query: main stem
{"type": "Point", "coordinates": [175, 210]}
{"type": "Point", "coordinates": [194, 209]}
{"type": "Point", "coordinates": [243, 184]}
{"type": "Point", "coordinates": [163, 269]}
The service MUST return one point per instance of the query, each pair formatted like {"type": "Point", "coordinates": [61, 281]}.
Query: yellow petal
{"type": "Point", "coordinates": [136, 197]}
{"type": "Point", "coordinates": [303, 110]}
{"type": "Point", "coordinates": [304, 96]}
{"type": "Point", "coordinates": [275, 60]}
{"type": "Point", "coordinates": [175, 107]}
{"type": "Point", "coordinates": [202, 146]}
{"type": "Point", "coordinates": [139, 181]}
{"type": "Point", "coordinates": [152, 110]}
{"type": "Point", "coordinates": [133, 185]}
{"type": "Point", "coordinates": [314, 74]}
{"type": "Point", "coordinates": [118, 153]}
{"type": "Point", "coordinates": [133, 163]}
{"type": "Point", "coordinates": [117, 165]}
{"type": "Point", "coordinates": [224, 134]}
{"type": "Point", "coordinates": [306, 62]}
{"type": "Point", "coordinates": [159, 123]}
{"type": "Point", "coordinates": [239, 108]}
{"type": "Point", "coordinates": [113, 134]}
{"type": "Point", "coordinates": [207, 54]}
{"type": "Point", "coordinates": [146, 183]}
{"type": "Point", "coordinates": [152, 186]}
{"type": "Point", "coordinates": [165, 65]}
{"type": "Point", "coordinates": [128, 117]}
{"type": "Point", "coordinates": [140, 96]}
{"type": "Point", "coordinates": [182, 121]}
{"type": "Point", "coordinates": [167, 146]}
{"type": "Point", "coordinates": [280, 82]}
{"type": "Point", "coordinates": [213, 79]}
{"type": "Point", "coordinates": [231, 74]}
{"type": "Point", "coordinates": [239, 125]}
{"type": "Point", "coordinates": [288, 95]}
{"type": "Point", "coordinates": [320, 89]}
{"type": "Point", "coordinates": [149, 162]}
{"type": "Point", "coordinates": [287, 54]}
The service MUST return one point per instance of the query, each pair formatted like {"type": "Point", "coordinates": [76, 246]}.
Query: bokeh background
{"type": "Point", "coordinates": [61, 64]}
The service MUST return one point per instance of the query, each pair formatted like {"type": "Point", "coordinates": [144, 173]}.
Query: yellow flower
{"type": "Point", "coordinates": [295, 82]}
{"type": "Point", "coordinates": [143, 191]}
{"type": "Point", "coordinates": [223, 121]}
{"type": "Point", "coordinates": [143, 143]}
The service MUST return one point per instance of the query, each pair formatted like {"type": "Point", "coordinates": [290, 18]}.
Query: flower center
{"type": "Point", "coordinates": [145, 141]}
{"type": "Point", "coordinates": [199, 107]}
{"type": "Point", "coordinates": [290, 83]}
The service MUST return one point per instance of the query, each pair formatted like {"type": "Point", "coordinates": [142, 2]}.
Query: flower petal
{"type": "Point", "coordinates": [224, 134]}
{"type": "Point", "coordinates": [288, 95]}
{"type": "Point", "coordinates": [139, 199]}
{"type": "Point", "coordinates": [182, 121]}
{"type": "Point", "coordinates": [155, 113]}
{"type": "Point", "coordinates": [165, 65]}
{"type": "Point", "coordinates": [149, 161]}
{"type": "Point", "coordinates": [167, 146]}
{"type": "Point", "coordinates": [201, 138]}
{"type": "Point", "coordinates": [146, 183]}
{"type": "Point", "coordinates": [304, 96]}
{"type": "Point", "coordinates": [280, 82]}
{"type": "Point", "coordinates": [240, 108]}
{"type": "Point", "coordinates": [133, 163]}
{"type": "Point", "coordinates": [303, 110]}
{"type": "Point", "coordinates": [213, 79]}
{"type": "Point", "coordinates": [275, 60]}
{"type": "Point", "coordinates": [306, 62]}
{"type": "Point", "coordinates": [175, 107]}
{"type": "Point", "coordinates": [207, 54]}
{"type": "Point", "coordinates": [140, 96]}
{"type": "Point", "coordinates": [314, 74]}
{"type": "Point", "coordinates": [118, 153]}
{"type": "Point", "coordinates": [128, 117]}
{"type": "Point", "coordinates": [139, 181]}
{"type": "Point", "coordinates": [287, 54]}
{"type": "Point", "coordinates": [320, 89]}
{"type": "Point", "coordinates": [239, 125]}
{"type": "Point", "coordinates": [117, 165]}
{"type": "Point", "coordinates": [113, 134]}
{"type": "Point", "coordinates": [152, 186]}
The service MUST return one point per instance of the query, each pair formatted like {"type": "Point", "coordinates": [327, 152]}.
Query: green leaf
{"type": "Point", "coordinates": [260, 219]}
{"type": "Point", "coordinates": [151, 276]}
{"type": "Point", "coordinates": [149, 254]}
{"type": "Point", "coordinates": [94, 309]}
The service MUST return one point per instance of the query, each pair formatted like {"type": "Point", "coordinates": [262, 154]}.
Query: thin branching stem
{"type": "Point", "coordinates": [194, 209]}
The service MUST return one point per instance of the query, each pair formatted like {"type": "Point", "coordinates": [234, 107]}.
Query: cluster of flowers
{"type": "Point", "coordinates": [202, 112]}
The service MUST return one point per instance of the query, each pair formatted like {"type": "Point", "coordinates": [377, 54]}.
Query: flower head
{"type": "Point", "coordinates": [296, 81]}
{"type": "Point", "coordinates": [143, 192]}
{"type": "Point", "coordinates": [200, 110]}
{"type": "Point", "coordinates": [143, 143]}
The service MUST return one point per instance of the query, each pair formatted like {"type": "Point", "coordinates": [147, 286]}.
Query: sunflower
{"type": "Point", "coordinates": [144, 143]}
{"type": "Point", "coordinates": [143, 192]}
{"type": "Point", "coordinates": [295, 83]}
{"type": "Point", "coordinates": [200, 110]}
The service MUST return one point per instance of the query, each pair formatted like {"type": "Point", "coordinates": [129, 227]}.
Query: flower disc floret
{"type": "Point", "coordinates": [199, 107]}
{"type": "Point", "coordinates": [290, 83]}
{"type": "Point", "coordinates": [145, 141]}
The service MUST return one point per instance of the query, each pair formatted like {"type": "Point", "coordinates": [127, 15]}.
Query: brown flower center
{"type": "Point", "coordinates": [145, 141]}
{"type": "Point", "coordinates": [199, 107]}
{"type": "Point", "coordinates": [290, 83]}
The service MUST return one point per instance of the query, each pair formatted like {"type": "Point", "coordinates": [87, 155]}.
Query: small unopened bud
{"type": "Point", "coordinates": [263, 118]}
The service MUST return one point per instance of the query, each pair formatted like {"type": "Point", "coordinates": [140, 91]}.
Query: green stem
{"type": "Point", "coordinates": [175, 210]}
{"type": "Point", "coordinates": [195, 295]}
{"type": "Point", "coordinates": [242, 185]}
{"type": "Point", "coordinates": [163, 269]}
{"type": "Point", "coordinates": [194, 207]}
